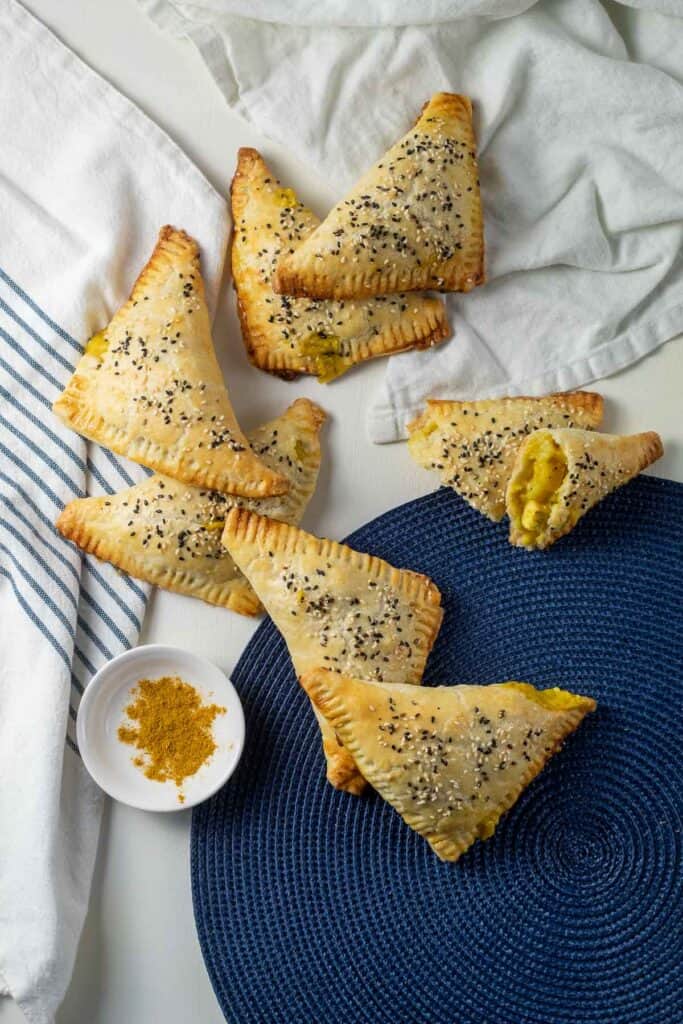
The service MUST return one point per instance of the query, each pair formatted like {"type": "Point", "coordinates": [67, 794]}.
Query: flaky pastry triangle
{"type": "Point", "coordinates": [169, 533]}
{"type": "Point", "coordinates": [450, 759]}
{"type": "Point", "coordinates": [149, 386]}
{"type": "Point", "coordinates": [338, 607]}
{"type": "Point", "coordinates": [288, 336]}
{"type": "Point", "coordinates": [559, 474]}
{"type": "Point", "coordinates": [473, 445]}
{"type": "Point", "coordinates": [413, 221]}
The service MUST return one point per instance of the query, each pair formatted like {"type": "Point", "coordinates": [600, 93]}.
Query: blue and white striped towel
{"type": "Point", "coordinates": [85, 183]}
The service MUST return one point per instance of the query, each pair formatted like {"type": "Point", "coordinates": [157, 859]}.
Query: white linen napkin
{"type": "Point", "coordinates": [86, 181]}
{"type": "Point", "coordinates": [581, 149]}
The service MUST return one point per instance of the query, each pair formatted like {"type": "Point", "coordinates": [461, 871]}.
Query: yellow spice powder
{"type": "Point", "coordinates": [172, 729]}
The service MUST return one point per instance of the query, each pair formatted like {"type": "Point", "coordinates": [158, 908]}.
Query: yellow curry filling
{"type": "Point", "coordinates": [325, 352]}
{"type": "Point", "coordinates": [553, 699]}
{"type": "Point", "coordinates": [423, 433]}
{"type": "Point", "coordinates": [98, 345]}
{"type": "Point", "coordinates": [300, 450]}
{"type": "Point", "coordinates": [536, 488]}
{"type": "Point", "coordinates": [214, 524]}
{"type": "Point", "coordinates": [487, 825]}
{"type": "Point", "coordinates": [286, 197]}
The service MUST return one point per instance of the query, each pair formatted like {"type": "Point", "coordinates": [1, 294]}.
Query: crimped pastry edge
{"type": "Point", "coordinates": [236, 594]}
{"type": "Point", "coordinates": [430, 326]}
{"type": "Point", "coordinates": [333, 707]}
{"type": "Point", "coordinates": [172, 244]}
{"type": "Point", "coordinates": [463, 277]}
{"type": "Point", "coordinates": [589, 402]}
{"type": "Point", "coordinates": [242, 525]}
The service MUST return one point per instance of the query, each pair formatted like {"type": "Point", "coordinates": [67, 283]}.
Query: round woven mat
{"type": "Point", "coordinates": [316, 907]}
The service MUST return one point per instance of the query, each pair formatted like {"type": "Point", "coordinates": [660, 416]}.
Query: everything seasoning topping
{"type": "Point", "coordinates": [171, 727]}
{"type": "Point", "coordinates": [166, 515]}
{"type": "Point", "coordinates": [450, 759]}
{"type": "Point", "coordinates": [454, 764]}
{"type": "Point", "coordinates": [375, 636]}
{"type": "Point", "coordinates": [588, 472]}
{"type": "Point", "coordinates": [586, 479]}
{"type": "Point", "coordinates": [560, 474]}
{"type": "Point", "coordinates": [427, 175]}
{"type": "Point", "coordinates": [473, 445]}
{"type": "Point", "coordinates": [586, 475]}
{"type": "Point", "coordinates": [153, 347]}
{"type": "Point", "coordinates": [326, 337]}
{"type": "Point", "coordinates": [413, 220]}
{"type": "Point", "coordinates": [479, 464]}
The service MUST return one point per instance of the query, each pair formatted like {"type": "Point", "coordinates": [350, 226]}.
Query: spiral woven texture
{"type": "Point", "coordinates": [315, 907]}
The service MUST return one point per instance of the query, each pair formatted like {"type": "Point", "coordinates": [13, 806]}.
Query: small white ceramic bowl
{"type": "Point", "coordinates": [101, 712]}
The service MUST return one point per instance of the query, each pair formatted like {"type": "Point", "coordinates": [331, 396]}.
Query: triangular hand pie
{"type": "Point", "coordinates": [414, 221]}
{"type": "Point", "coordinates": [169, 533]}
{"type": "Point", "coordinates": [149, 386]}
{"type": "Point", "coordinates": [338, 607]}
{"type": "Point", "coordinates": [288, 336]}
{"type": "Point", "coordinates": [559, 474]}
{"type": "Point", "coordinates": [473, 445]}
{"type": "Point", "coordinates": [450, 759]}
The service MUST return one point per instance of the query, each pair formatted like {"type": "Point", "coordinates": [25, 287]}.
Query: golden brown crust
{"type": "Point", "coordinates": [596, 464]}
{"type": "Point", "coordinates": [450, 759]}
{"type": "Point", "coordinates": [413, 222]}
{"type": "Point", "coordinates": [339, 607]}
{"type": "Point", "coordinates": [168, 533]}
{"type": "Point", "coordinates": [341, 769]}
{"type": "Point", "coordinates": [152, 390]}
{"type": "Point", "coordinates": [589, 403]}
{"type": "Point", "coordinates": [447, 104]}
{"type": "Point", "coordinates": [245, 529]}
{"type": "Point", "coordinates": [290, 336]}
{"type": "Point", "coordinates": [473, 445]}
{"type": "Point", "coordinates": [235, 594]}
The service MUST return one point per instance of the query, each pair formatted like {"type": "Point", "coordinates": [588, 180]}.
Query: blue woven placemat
{"type": "Point", "coordinates": [314, 907]}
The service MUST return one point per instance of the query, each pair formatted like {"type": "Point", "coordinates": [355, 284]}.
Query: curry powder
{"type": "Point", "coordinates": [173, 729]}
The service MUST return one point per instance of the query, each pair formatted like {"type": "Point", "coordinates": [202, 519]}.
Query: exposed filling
{"type": "Point", "coordinates": [535, 489]}
{"type": "Point", "coordinates": [214, 524]}
{"type": "Point", "coordinates": [325, 351]}
{"type": "Point", "coordinates": [286, 197]}
{"type": "Point", "coordinates": [553, 699]}
{"type": "Point", "coordinates": [97, 345]}
{"type": "Point", "coordinates": [487, 826]}
{"type": "Point", "coordinates": [424, 432]}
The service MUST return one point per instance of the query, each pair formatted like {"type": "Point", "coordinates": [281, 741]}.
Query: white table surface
{"type": "Point", "coordinates": [139, 960]}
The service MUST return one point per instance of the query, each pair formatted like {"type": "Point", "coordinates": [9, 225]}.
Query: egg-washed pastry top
{"type": "Point", "coordinates": [337, 607]}
{"type": "Point", "coordinates": [450, 759]}
{"type": "Point", "coordinates": [473, 445]}
{"type": "Point", "coordinates": [560, 474]}
{"type": "Point", "coordinates": [413, 221]}
{"type": "Point", "coordinates": [288, 336]}
{"type": "Point", "coordinates": [149, 386]}
{"type": "Point", "coordinates": [169, 533]}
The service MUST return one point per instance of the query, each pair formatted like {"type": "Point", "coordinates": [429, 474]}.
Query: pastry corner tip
{"type": "Point", "coordinates": [311, 411]}
{"type": "Point", "coordinates": [654, 447]}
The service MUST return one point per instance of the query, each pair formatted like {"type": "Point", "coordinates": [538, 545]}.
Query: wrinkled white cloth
{"type": "Point", "coordinates": [579, 117]}
{"type": "Point", "coordinates": [86, 181]}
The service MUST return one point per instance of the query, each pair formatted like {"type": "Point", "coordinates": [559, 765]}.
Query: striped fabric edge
{"type": "Point", "coordinates": [86, 610]}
